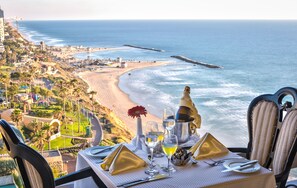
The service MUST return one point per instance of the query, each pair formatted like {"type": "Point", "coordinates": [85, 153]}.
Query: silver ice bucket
{"type": "Point", "coordinates": [183, 131]}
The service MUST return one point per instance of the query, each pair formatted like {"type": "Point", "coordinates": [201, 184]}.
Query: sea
{"type": "Point", "coordinates": [257, 57]}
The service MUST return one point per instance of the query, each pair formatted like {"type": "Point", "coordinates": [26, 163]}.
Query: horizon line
{"type": "Point", "coordinates": [20, 19]}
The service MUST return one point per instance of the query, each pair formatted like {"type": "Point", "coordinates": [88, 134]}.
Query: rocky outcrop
{"type": "Point", "coordinates": [183, 58]}
{"type": "Point", "coordinates": [144, 48]}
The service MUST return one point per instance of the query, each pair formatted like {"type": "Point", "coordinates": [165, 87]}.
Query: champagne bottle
{"type": "Point", "coordinates": [187, 110]}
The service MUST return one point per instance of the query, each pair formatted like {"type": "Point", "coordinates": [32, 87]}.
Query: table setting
{"type": "Point", "coordinates": [158, 158]}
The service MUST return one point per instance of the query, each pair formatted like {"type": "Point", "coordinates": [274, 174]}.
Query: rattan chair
{"type": "Point", "coordinates": [33, 168]}
{"type": "Point", "coordinates": [272, 132]}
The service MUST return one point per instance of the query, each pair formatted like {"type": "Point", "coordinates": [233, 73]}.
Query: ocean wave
{"type": "Point", "coordinates": [210, 103]}
{"type": "Point", "coordinates": [173, 83]}
{"type": "Point", "coordinates": [173, 79]}
{"type": "Point", "coordinates": [223, 92]}
{"type": "Point", "coordinates": [230, 85]}
{"type": "Point", "coordinates": [36, 37]}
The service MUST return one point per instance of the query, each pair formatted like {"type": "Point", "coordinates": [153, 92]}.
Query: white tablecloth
{"type": "Point", "coordinates": [197, 175]}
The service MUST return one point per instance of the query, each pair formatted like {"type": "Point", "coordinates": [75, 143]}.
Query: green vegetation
{"type": "Point", "coordinates": [71, 128]}
{"type": "Point", "coordinates": [60, 142]}
{"type": "Point", "coordinates": [7, 167]}
{"type": "Point", "coordinates": [16, 116]}
{"type": "Point", "coordinates": [68, 93]}
{"type": "Point", "coordinates": [41, 113]}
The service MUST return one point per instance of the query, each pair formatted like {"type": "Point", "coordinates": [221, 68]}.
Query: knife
{"type": "Point", "coordinates": [144, 180]}
{"type": "Point", "coordinates": [242, 166]}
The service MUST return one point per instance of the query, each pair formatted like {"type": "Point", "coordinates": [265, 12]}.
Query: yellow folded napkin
{"type": "Point", "coordinates": [121, 160]}
{"type": "Point", "coordinates": [208, 146]}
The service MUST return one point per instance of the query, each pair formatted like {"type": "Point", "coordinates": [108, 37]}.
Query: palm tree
{"type": "Point", "coordinates": [58, 113]}
{"type": "Point", "coordinates": [60, 83]}
{"type": "Point", "coordinates": [92, 93]}
{"type": "Point", "coordinates": [16, 116]}
{"type": "Point", "coordinates": [25, 78]}
{"type": "Point", "coordinates": [48, 132]}
{"type": "Point", "coordinates": [48, 93]}
{"type": "Point", "coordinates": [97, 107]}
{"type": "Point", "coordinates": [63, 90]}
{"type": "Point", "coordinates": [39, 140]}
{"type": "Point", "coordinates": [35, 125]}
{"type": "Point", "coordinates": [5, 78]}
{"type": "Point", "coordinates": [36, 90]}
{"type": "Point", "coordinates": [71, 85]}
{"type": "Point", "coordinates": [35, 73]}
{"type": "Point", "coordinates": [77, 93]}
{"type": "Point", "coordinates": [63, 94]}
{"type": "Point", "coordinates": [13, 90]}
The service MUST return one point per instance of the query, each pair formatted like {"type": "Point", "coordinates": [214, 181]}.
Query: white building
{"type": "Point", "coordinates": [42, 46]}
{"type": "Point", "coordinates": [119, 59]}
{"type": "Point", "coordinates": [1, 25]}
{"type": "Point", "coordinates": [124, 64]}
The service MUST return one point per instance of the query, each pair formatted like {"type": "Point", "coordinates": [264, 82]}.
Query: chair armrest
{"type": "Point", "coordinates": [239, 151]}
{"type": "Point", "coordinates": [80, 174]}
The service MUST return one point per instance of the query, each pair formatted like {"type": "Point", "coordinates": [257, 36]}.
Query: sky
{"type": "Point", "coordinates": [149, 9]}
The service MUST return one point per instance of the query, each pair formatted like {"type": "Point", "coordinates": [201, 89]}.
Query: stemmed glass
{"type": "Point", "coordinates": [168, 120]}
{"type": "Point", "coordinates": [158, 131]}
{"type": "Point", "coordinates": [169, 146]}
{"type": "Point", "coordinates": [151, 140]}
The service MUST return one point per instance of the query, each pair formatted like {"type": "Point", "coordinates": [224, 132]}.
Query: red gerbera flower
{"type": "Point", "coordinates": [137, 111]}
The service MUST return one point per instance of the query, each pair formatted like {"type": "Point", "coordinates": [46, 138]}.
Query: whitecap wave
{"type": "Point", "coordinates": [223, 92]}
{"type": "Point", "coordinates": [36, 37]}
{"type": "Point", "coordinates": [174, 83]}
{"type": "Point", "coordinates": [210, 103]}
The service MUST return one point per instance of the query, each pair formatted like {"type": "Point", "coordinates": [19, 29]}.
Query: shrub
{"type": "Point", "coordinates": [6, 167]}
{"type": "Point", "coordinates": [41, 113]}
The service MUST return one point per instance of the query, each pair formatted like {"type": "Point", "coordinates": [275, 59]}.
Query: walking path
{"type": "Point", "coordinates": [96, 127]}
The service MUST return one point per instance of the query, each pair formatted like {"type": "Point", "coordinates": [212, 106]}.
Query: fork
{"type": "Point", "coordinates": [212, 164]}
{"type": "Point", "coordinates": [216, 163]}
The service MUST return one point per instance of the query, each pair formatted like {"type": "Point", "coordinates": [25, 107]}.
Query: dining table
{"type": "Point", "coordinates": [193, 174]}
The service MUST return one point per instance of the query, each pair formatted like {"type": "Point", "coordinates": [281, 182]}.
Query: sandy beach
{"type": "Point", "coordinates": [105, 83]}
{"type": "Point", "coordinates": [68, 52]}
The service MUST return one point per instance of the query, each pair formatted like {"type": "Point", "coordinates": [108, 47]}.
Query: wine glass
{"type": "Point", "coordinates": [169, 146]}
{"type": "Point", "coordinates": [154, 128]}
{"type": "Point", "coordinates": [151, 140]}
{"type": "Point", "coordinates": [168, 120]}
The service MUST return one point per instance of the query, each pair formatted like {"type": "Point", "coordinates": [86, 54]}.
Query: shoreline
{"type": "Point", "coordinates": [112, 96]}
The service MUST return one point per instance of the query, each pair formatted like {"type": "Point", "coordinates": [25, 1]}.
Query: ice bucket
{"type": "Point", "coordinates": [182, 127]}
{"type": "Point", "coordinates": [183, 131]}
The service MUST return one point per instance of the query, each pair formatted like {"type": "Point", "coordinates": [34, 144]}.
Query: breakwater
{"type": "Point", "coordinates": [183, 58]}
{"type": "Point", "coordinates": [144, 48]}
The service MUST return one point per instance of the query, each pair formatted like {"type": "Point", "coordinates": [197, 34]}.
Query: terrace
{"type": "Point", "coordinates": [208, 160]}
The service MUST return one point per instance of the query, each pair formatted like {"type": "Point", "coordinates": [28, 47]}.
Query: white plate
{"type": "Point", "coordinates": [93, 150]}
{"type": "Point", "coordinates": [235, 162]}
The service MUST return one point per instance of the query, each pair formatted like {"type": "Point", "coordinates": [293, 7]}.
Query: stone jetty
{"type": "Point", "coordinates": [144, 48]}
{"type": "Point", "coordinates": [183, 58]}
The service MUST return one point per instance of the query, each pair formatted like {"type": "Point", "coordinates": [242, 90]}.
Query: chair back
{"type": "Point", "coordinates": [265, 118]}
{"type": "Point", "coordinates": [285, 149]}
{"type": "Point", "coordinates": [33, 168]}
